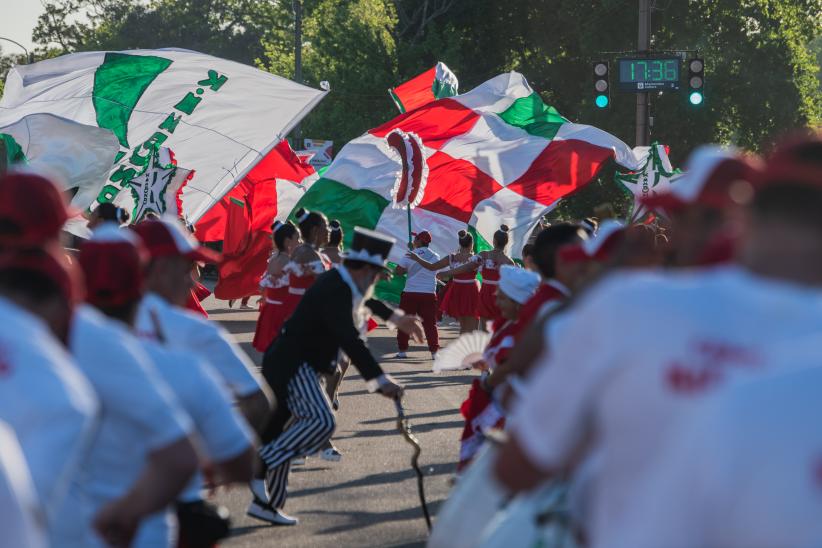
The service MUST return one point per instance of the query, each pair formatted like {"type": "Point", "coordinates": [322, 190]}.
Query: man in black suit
{"type": "Point", "coordinates": [330, 318]}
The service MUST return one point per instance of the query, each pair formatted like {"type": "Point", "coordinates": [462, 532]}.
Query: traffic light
{"type": "Point", "coordinates": [602, 88]}
{"type": "Point", "coordinates": [696, 81]}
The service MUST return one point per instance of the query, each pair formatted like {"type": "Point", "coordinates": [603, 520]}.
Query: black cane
{"type": "Point", "coordinates": [405, 430]}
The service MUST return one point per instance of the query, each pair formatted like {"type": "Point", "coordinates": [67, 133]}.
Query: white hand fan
{"type": "Point", "coordinates": [461, 353]}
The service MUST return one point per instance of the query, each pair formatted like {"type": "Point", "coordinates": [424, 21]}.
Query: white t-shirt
{"type": "Point", "coordinates": [746, 470]}
{"type": "Point", "coordinates": [22, 522]}
{"type": "Point", "coordinates": [47, 401]}
{"type": "Point", "coordinates": [187, 331]}
{"type": "Point", "coordinates": [140, 414]}
{"type": "Point", "coordinates": [637, 353]}
{"type": "Point", "coordinates": [419, 278]}
{"type": "Point", "coordinates": [223, 432]}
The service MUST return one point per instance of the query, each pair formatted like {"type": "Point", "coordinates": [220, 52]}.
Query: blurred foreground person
{"type": "Point", "coordinates": [21, 516]}
{"type": "Point", "coordinates": [161, 316]}
{"type": "Point", "coordinates": [603, 391]}
{"type": "Point", "coordinates": [113, 261]}
{"type": "Point", "coordinates": [44, 398]}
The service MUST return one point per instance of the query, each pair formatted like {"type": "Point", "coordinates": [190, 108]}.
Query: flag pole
{"type": "Point", "coordinates": [408, 210]}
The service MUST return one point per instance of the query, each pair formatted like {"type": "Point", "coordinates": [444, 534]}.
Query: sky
{"type": "Point", "coordinates": [17, 19]}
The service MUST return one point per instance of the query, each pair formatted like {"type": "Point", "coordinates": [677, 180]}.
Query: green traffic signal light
{"type": "Point", "coordinates": [601, 101]}
{"type": "Point", "coordinates": [695, 98]}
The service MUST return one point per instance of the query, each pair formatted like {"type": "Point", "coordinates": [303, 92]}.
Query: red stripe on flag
{"type": "Point", "coordinates": [417, 91]}
{"type": "Point", "coordinates": [455, 187]}
{"type": "Point", "coordinates": [563, 167]}
{"type": "Point", "coordinates": [435, 123]}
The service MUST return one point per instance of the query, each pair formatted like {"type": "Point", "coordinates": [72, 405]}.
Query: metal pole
{"type": "Point", "coordinates": [29, 56]}
{"type": "Point", "coordinates": [643, 132]}
{"type": "Point", "coordinates": [298, 53]}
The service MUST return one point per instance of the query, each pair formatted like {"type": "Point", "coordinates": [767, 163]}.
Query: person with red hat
{"type": "Point", "coordinates": [420, 293]}
{"type": "Point", "coordinates": [617, 383]}
{"type": "Point", "coordinates": [113, 261]}
{"type": "Point", "coordinates": [161, 316]}
{"type": "Point", "coordinates": [44, 398]}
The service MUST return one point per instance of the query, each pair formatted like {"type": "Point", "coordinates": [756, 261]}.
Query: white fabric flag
{"type": "Point", "coordinates": [77, 156]}
{"type": "Point", "coordinates": [218, 117]}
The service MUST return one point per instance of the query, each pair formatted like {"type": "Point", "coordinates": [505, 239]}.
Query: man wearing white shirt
{"type": "Point", "coordinates": [420, 294]}
{"type": "Point", "coordinates": [44, 397]}
{"type": "Point", "coordinates": [745, 470]}
{"type": "Point", "coordinates": [618, 381]}
{"type": "Point", "coordinates": [21, 516]}
{"type": "Point", "coordinates": [113, 261]}
{"type": "Point", "coordinates": [161, 316]}
{"type": "Point", "coordinates": [142, 457]}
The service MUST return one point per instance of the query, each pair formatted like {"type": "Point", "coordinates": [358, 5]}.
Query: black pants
{"type": "Point", "coordinates": [312, 425]}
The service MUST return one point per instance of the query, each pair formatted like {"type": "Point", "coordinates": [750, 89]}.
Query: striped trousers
{"type": "Point", "coordinates": [311, 427]}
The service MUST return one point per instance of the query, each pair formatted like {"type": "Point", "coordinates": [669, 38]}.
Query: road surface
{"type": "Point", "coordinates": [370, 497]}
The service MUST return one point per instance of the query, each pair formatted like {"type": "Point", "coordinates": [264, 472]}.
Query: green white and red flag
{"type": "Point", "coordinates": [243, 218]}
{"type": "Point", "coordinates": [435, 83]}
{"type": "Point", "coordinates": [495, 155]}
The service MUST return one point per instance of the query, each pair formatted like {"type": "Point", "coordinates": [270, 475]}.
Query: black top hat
{"type": "Point", "coordinates": [370, 247]}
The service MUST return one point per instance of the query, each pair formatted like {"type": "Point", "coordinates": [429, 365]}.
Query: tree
{"type": "Point", "coordinates": [350, 45]}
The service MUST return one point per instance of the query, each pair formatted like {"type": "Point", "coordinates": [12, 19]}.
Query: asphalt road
{"type": "Point", "coordinates": [370, 497]}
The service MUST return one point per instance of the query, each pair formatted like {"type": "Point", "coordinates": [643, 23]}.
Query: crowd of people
{"type": "Point", "coordinates": [650, 385]}
{"type": "Point", "coordinates": [120, 407]}
{"type": "Point", "coordinates": [667, 398]}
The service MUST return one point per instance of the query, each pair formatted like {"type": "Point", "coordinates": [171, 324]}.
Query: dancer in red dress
{"type": "Point", "coordinates": [462, 296]}
{"type": "Point", "coordinates": [307, 262]}
{"type": "Point", "coordinates": [274, 285]}
{"type": "Point", "coordinates": [490, 263]}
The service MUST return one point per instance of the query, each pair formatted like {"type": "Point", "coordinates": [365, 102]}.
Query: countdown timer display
{"type": "Point", "coordinates": [649, 74]}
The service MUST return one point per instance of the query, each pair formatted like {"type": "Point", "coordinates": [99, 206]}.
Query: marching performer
{"type": "Point", "coordinates": [462, 296]}
{"type": "Point", "coordinates": [307, 262]}
{"type": "Point", "coordinates": [274, 285]}
{"type": "Point", "coordinates": [490, 263]}
{"type": "Point", "coordinates": [329, 318]}
{"type": "Point", "coordinates": [420, 294]}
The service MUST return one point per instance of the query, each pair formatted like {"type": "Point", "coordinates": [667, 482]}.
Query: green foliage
{"type": "Point", "coordinates": [762, 56]}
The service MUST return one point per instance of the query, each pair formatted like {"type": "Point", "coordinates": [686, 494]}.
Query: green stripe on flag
{"type": "Point", "coordinates": [391, 289]}
{"type": "Point", "coordinates": [396, 100]}
{"type": "Point", "coordinates": [237, 202]}
{"type": "Point", "coordinates": [534, 116]}
{"type": "Point", "coordinates": [350, 206]}
{"type": "Point", "coordinates": [480, 243]}
{"type": "Point", "coordinates": [14, 152]}
{"type": "Point", "coordinates": [118, 85]}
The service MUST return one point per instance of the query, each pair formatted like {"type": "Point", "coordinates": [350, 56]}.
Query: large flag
{"type": "Point", "coordinates": [218, 117]}
{"type": "Point", "coordinates": [654, 176]}
{"type": "Point", "coordinates": [244, 217]}
{"type": "Point", "coordinates": [495, 155]}
{"type": "Point", "coordinates": [77, 155]}
{"type": "Point", "coordinates": [435, 83]}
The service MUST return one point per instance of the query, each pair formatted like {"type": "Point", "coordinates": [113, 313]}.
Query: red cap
{"type": "Point", "coordinates": [112, 262]}
{"type": "Point", "coordinates": [32, 210]}
{"type": "Point", "coordinates": [716, 177]}
{"type": "Point", "coordinates": [166, 238]}
{"type": "Point", "coordinates": [50, 261]}
{"type": "Point", "coordinates": [424, 236]}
